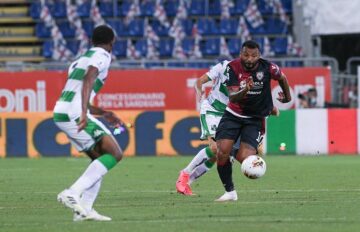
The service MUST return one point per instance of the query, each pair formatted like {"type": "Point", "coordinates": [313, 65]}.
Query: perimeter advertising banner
{"type": "Point", "coordinates": [154, 133]}
{"type": "Point", "coordinates": [150, 90]}
{"type": "Point", "coordinates": [177, 132]}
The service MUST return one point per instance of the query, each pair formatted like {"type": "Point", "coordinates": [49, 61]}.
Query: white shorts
{"type": "Point", "coordinates": [87, 138]}
{"type": "Point", "coordinates": [209, 119]}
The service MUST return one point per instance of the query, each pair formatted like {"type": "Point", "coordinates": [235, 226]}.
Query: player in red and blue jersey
{"type": "Point", "coordinates": [250, 102]}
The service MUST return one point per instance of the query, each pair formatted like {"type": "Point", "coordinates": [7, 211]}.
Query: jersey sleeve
{"type": "Point", "coordinates": [232, 79]}
{"type": "Point", "coordinates": [275, 71]}
{"type": "Point", "coordinates": [213, 73]}
{"type": "Point", "coordinates": [101, 61]}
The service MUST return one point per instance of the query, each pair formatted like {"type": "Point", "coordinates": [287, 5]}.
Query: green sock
{"type": "Point", "coordinates": [108, 161]}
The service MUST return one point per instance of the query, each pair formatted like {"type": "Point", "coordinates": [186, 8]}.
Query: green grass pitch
{"type": "Point", "coordinates": [297, 194]}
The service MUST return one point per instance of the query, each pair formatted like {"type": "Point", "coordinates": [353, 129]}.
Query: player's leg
{"type": "Point", "coordinates": [209, 122]}
{"type": "Point", "coordinates": [228, 132]}
{"type": "Point", "coordinates": [94, 137]}
{"type": "Point", "coordinates": [207, 164]}
{"type": "Point", "coordinates": [250, 138]}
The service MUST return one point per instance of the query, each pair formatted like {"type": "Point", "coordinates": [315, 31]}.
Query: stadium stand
{"type": "Point", "coordinates": [171, 20]}
{"type": "Point", "coordinates": [17, 41]}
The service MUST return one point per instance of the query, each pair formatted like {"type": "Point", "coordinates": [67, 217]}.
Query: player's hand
{"type": "Point", "coordinates": [82, 122]}
{"type": "Point", "coordinates": [282, 98]}
{"type": "Point", "coordinates": [112, 119]}
{"type": "Point", "coordinates": [249, 83]}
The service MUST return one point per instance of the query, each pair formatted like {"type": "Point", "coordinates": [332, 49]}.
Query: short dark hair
{"type": "Point", "coordinates": [250, 44]}
{"type": "Point", "coordinates": [102, 35]}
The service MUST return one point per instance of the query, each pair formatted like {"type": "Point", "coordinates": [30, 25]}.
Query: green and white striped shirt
{"type": "Point", "coordinates": [69, 103]}
{"type": "Point", "coordinates": [219, 95]}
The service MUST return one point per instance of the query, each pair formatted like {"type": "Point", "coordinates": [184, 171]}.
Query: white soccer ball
{"type": "Point", "coordinates": [253, 167]}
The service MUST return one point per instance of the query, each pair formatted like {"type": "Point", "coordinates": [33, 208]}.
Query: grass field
{"type": "Point", "coordinates": [296, 194]}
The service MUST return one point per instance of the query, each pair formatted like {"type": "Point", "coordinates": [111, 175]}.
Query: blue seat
{"type": "Point", "coordinates": [205, 26]}
{"type": "Point", "coordinates": [84, 8]}
{"type": "Point", "coordinates": [73, 45]}
{"type": "Point", "coordinates": [88, 27]}
{"type": "Point", "coordinates": [48, 48]}
{"type": "Point", "coordinates": [66, 29]}
{"type": "Point", "coordinates": [211, 47]}
{"type": "Point", "coordinates": [141, 47]}
{"type": "Point", "coordinates": [166, 47]}
{"type": "Point", "coordinates": [188, 45]}
{"type": "Point", "coordinates": [147, 8]}
{"type": "Point", "coordinates": [42, 31]}
{"type": "Point", "coordinates": [228, 26]}
{"type": "Point", "coordinates": [260, 41]}
{"type": "Point", "coordinates": [239, 7]}
{"type": "Point", "coordinates": [260, 30]}
{"type": "Point", "coordinates": [136, 27]}
{"type": "Point", "coordinates": [287, 5]}
{"type": "Point", "coordinates": [118, 26]}
{"type": "Point", "coordinates": [171, 7]}
{"type": "Point", "coordinates": [35, 9]}
{"type": "Point", "coordinates": [214, 7]}
{"type": "Point", "coordinates": [106, 8]}
{"type": "Point", "coordinates": [280, 46]}
{"type": "Point", "coordinates": [58, 9]}
{"type": "Point", "coordinates": [264, 7]}
{"type": "Point", "coordinates": [197, 7]}
{"type": "Point", "coordinates": [124, 7]}
{"type": "Point", "coordinates": [159, 29]}
{"type": "Point", "coordinates": [276, 26]}
{"type": "Point", "coordinates": [187, 26]}
{"type": "Point", "coordinates": [119, 49]}
{"type": "Point", "coordinates": [234, 45]}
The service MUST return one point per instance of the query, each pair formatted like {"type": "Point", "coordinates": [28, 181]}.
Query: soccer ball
{"type": "Point", "coordinates": [253, 167]}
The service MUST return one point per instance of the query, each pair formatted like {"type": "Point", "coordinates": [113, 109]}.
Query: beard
{"type": "Point", "coordinates": [248, 65]}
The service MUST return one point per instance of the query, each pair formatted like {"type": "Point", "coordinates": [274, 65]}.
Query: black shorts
{"type": "Point", "coordinates": [232, 127]}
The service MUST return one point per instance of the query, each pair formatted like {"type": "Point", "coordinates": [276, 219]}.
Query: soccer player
{"type": "Point", "coordinates": [248, 106]}
{"type": "Point", "coordinates": [211, 110]}
{"type": "Point", "coordinates": [73, 114]}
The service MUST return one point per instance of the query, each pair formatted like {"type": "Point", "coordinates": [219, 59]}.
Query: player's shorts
{"type": "Point", "coordinates": [248, 129]}
{"type": "Point", "coordinates": [85, 139]}
{"type": "Point", "coordinates": [209, 119]}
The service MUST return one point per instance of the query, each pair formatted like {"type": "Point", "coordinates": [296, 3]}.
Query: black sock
{"type": "Point", "coordinates": [225, 174]}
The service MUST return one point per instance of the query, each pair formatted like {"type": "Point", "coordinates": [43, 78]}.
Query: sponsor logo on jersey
{"type": "Point", "coordinates": [97, 133]}
{"type": "Point", "coordinates": [260, 75]}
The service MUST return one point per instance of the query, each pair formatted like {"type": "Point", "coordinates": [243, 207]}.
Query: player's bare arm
{"type": "Point", "coordinates": [109, 116]}
{"type": "Point", "coordinates": [236, 93]}
{"type": "Point", "coordinates": [198, 85]}
{"type": "Point", "coordinates": [285, 95]}
{"type": "Point", "coordinates": [88, 83]}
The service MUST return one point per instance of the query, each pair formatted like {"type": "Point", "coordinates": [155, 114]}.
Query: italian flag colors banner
{"type": "Point", "coordinates": [314, 131]}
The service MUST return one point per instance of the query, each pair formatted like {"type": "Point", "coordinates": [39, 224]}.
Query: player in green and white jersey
{"type": "Point", "coordinates": [73, 114]}
{"type": "Point", "coordinates": [211, 110]}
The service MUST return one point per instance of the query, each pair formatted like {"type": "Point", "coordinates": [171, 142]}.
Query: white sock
{"type": "Point", "coordinates": [196, 161]}
{"type": "Point", "coordinates": [89, 196]}
{"type": "Point", "coordinates": [198, 171]}
{"type": "Point", "coordinates": [94, 172]}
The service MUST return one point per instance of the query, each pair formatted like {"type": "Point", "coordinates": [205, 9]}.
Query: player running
{"type": "Point", "coordinates": [246, 109]}
{"type": "Point", "coordinates": [73, 114]}
{"type": "Point", "coordinates": [211, 110]}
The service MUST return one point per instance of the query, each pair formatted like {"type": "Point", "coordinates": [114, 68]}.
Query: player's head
{"type": "Point", "coordinates": [250, 54]}
{"type": "Point", "coordinates": [103, 36]}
